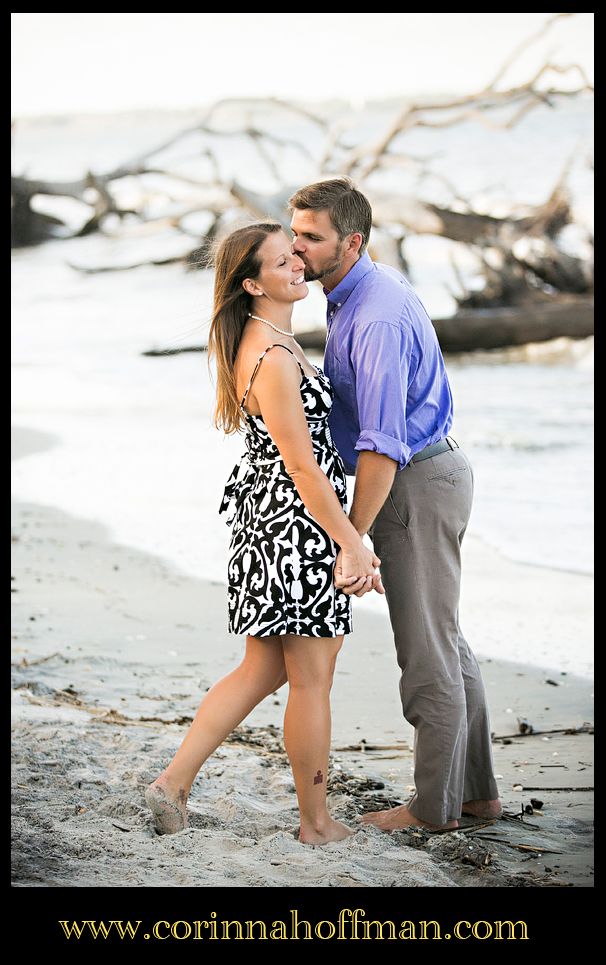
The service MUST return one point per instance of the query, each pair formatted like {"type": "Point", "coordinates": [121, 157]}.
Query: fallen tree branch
{"type": "Point", "coordinates": [468, 331]}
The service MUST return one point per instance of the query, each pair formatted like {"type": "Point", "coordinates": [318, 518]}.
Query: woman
{"type": "Point", "coordinates": [286, 500]}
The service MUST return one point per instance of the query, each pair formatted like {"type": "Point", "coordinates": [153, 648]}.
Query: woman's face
{"type": "Point", "coordinates": [282, 275]}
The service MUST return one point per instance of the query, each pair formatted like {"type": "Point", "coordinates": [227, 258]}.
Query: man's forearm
{"type": "Point", "coordinates": [374, 478]}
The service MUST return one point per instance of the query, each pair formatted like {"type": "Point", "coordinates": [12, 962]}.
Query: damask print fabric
{"type": "Point", "coordinates": [281, 563]}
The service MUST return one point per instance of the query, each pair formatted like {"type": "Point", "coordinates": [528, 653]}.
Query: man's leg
{"type": "Point", "coordinates": [418, 536]}
{"type": "Point", "coordinates": [480, 792]}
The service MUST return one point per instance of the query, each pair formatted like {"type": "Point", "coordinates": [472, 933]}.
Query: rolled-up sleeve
{"type": "Point", "coordinates": [380, 360]}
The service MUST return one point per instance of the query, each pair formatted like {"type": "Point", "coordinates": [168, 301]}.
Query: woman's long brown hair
{"type": "Point", "coordinates": [237, 258]}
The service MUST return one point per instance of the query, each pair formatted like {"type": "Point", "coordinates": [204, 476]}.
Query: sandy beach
{"type": "Point", "coordinates": [112, 651]}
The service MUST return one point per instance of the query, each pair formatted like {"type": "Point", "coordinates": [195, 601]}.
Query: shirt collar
{"type": "Point", "coordinates": [339, 295]}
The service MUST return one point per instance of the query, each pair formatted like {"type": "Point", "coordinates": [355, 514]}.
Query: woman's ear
{"type": "Point", "coordinates": [251, 287]}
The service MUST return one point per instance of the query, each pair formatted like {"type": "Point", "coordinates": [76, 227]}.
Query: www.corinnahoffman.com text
{"type": "Point", "coordinates": [349, 925]}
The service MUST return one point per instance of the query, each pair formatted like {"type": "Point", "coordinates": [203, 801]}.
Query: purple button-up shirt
{"type": "Point", "coordinates": [382, 356]}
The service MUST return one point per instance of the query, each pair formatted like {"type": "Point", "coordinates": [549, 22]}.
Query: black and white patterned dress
{"type": "Point", "coordinates": [281, 563]}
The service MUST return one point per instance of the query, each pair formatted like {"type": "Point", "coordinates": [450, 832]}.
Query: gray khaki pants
{"type": "Point", "coordinates": [417, 535]}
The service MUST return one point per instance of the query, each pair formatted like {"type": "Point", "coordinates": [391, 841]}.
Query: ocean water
{"type": "Point", "coordinates": [136, 448]}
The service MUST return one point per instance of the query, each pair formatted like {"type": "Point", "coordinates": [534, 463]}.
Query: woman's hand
{"type": "Point", "coordinates": [356, 570]}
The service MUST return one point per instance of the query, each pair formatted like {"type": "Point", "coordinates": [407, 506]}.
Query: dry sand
{"type": "Point", "coordinates": [112, 652]}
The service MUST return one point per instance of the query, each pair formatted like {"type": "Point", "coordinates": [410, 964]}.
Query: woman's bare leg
{"type": "Point", "coordinates": [310, 664]}
{"type": "Point", "coordinates": [226, 704]}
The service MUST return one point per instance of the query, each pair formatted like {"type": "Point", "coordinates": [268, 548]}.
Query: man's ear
{"type": "Point", "coordinates": [355, 242]}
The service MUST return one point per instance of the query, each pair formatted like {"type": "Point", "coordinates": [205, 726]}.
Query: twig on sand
{"type": "Point", "coordinates": [363, 746]}
{"type": "Point", "coordinates": [472, 828]}
{"type": "Point", "coordinates": [585, 728]}
{"type": "Point", "coordinates": [519, 847]}
{"type": "Point", "coordinates": [24, 662]}
{"type": "Point", "coordinates": [527, 787]}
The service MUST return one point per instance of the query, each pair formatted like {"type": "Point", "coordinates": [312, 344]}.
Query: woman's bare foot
{"type": "Point", "coordinates": [330, 831]}
{"type": "Point", "coordinates": [168, 806]}
{"type": "Point", "coordinates": [482, 809]}
{"type": "Point", "coordinates": [396, 819]}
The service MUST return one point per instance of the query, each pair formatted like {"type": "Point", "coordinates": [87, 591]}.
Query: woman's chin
{"type": "Point", "coordinates": [301, 291]}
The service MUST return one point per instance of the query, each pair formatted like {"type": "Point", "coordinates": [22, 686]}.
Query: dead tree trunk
{"type": "Point", "coordinates": [492, 328]}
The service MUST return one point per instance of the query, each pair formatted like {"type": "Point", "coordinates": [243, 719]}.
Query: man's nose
{"type": "Point", "coordinates": [297, 246]}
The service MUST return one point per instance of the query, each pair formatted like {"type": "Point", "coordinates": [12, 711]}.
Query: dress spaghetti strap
{"type": "Point", "coordinates": [260, 359]}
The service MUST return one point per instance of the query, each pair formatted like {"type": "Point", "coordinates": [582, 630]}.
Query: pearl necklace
{"type": "Point", "coordinates": [271, 325]}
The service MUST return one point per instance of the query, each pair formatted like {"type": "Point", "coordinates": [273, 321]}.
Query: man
{"type": "Point", "coordinates": [413, 493]}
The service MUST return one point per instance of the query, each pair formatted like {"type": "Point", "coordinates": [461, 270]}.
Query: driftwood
{"type": "Point", "coordinates": [585, 728]}
{"type": "Point", "coordinates": [528, 787]}
{"type": "Point", "coordinates": [532, 290]}
{"type": "Point", "coordinates": [494, 328]}
{"type": "Point", "coordinates": [489, 328]}
{"type": "Point", "coordinates": [28, 227]}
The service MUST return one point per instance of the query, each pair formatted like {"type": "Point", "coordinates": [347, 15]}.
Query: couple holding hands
{"type": "Point", "coordinates": [380, 409]}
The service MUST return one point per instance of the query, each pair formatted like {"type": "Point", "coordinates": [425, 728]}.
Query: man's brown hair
{"type": "Point", "coordinates": [348, 209]}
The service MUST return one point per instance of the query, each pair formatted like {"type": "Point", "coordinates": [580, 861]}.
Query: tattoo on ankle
{"type": "Point", "coordinates": [318, 778]}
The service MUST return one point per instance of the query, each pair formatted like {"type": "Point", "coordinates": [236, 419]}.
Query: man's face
{"type": "Point", "coordinates": [316, 242]}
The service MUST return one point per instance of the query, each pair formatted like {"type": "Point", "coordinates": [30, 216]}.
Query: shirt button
{"type": "Point", "coordinates": [338, 304]}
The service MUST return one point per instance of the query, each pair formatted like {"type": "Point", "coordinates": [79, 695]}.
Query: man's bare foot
{"type": "Point", "coordinates": [331, 831]}
{"type": "Point", "coordinates": [482, 809]}
{"type": "Point", "coordinates": [168, 806]}
{"type": "Point", "coordinates": [395, 819]}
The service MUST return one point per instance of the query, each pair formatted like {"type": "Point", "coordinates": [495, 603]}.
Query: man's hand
{"type": "Point", "coordinates": [358, 587]}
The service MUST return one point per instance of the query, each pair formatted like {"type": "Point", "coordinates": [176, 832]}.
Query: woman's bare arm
{"type": "Point", "coordinates": [276, 389]}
